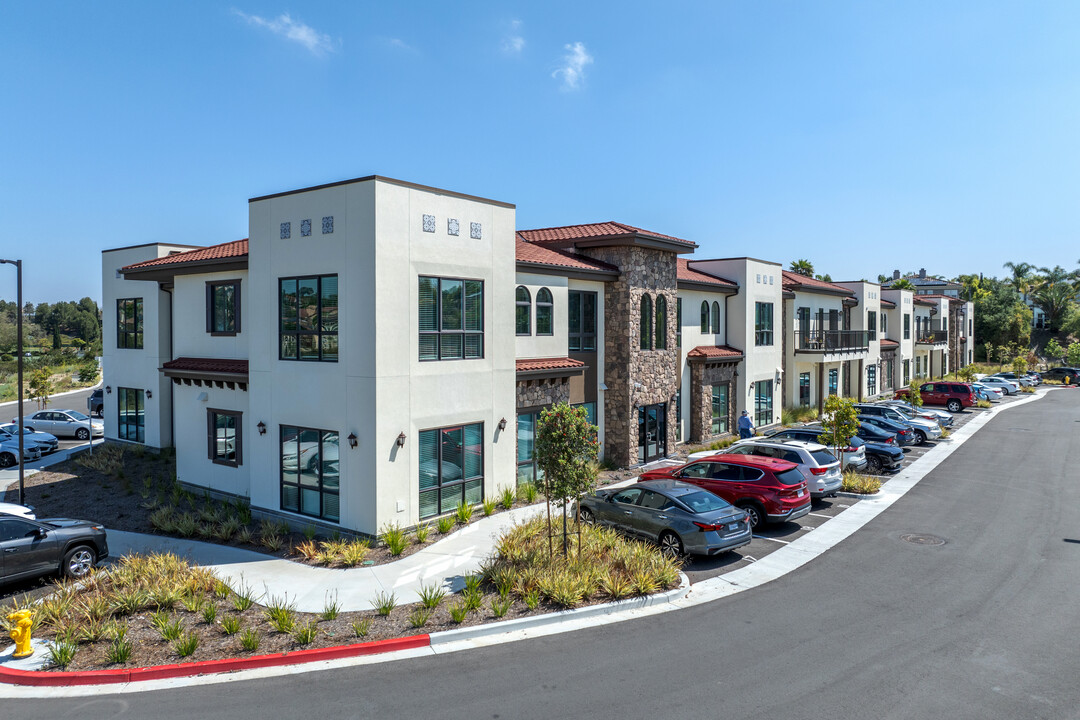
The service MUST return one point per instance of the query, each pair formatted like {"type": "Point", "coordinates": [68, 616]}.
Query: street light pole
{"type": "Point", "coordinates": [19, 343]}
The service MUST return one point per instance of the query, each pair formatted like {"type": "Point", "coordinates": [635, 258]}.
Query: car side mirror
{"type": "Point", "coordinates": [41, 532]}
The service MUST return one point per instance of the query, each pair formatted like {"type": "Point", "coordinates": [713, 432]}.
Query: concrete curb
{"type": "Point", "coordinates": [66, 392]}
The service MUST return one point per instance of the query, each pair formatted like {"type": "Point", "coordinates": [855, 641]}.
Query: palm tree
{"type": "Point", "coordinates": [1021, 277]}
{"type": "Point", "coordinates": [803, 267]}
{"type": "Point", "coordinates": [902, 284]}
{"type": "Point", "coordinates": [1053, 299]}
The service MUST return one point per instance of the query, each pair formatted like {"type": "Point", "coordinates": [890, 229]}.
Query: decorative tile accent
{"type": "Point", "coordinates": [286, 231]}
{"type": "Point", "coordinates": [305, 228]}
{"type": "Point", "coordinates": [328, 225]}
{"type": "Point", "coordinates": [452, 227]}
{"type": "Point", "coordinates": [475, 232]}
{"type": "Point", "coordinates": [429, 223]}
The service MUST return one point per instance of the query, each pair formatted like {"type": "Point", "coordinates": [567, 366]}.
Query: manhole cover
{"type": "Point", "coordinates": [918, 539]}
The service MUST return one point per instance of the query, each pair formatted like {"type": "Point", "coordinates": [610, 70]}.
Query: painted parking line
{"type": "Point", "coordinates": [782, 542]}
{"type": "Point", "coordinates": [820, 515]}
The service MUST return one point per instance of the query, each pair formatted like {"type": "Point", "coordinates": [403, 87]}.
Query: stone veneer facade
{"type": "Point", "coordinates": [542, 392]}
{"type": "Point", "coordinates": [636, 377]}
{"type": "Point", "coordinates": [703, 375]}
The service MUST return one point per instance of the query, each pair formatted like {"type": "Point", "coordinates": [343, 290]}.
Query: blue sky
{"type": "Point", "coordinates": [865, 136]}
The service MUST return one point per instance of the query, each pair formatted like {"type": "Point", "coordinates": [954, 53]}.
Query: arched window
{"type": "Point", "coordinates": [524, 311]}
{"type": "Point", "coordinates": [646, 322]}
{"type": "Point", "coordinates": [716, 318]}
{"type": "Point", "coordinates": [661, 323]}
{"type": "Point", "coordinates": [704, 316]}
{"type": "Point", "coordinates": [543, 312]}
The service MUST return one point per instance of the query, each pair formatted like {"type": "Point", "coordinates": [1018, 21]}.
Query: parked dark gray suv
{"type": "Point", "coordinates": [31, 548]}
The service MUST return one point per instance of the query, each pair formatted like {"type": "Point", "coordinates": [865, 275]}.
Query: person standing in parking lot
{"type": "Point", "coordinates": [746, 426]}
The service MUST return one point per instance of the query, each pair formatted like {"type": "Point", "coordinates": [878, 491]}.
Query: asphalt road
{"type": "Point", "coordinates": [982, 626]}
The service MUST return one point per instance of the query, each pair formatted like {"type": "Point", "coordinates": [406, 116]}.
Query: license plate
{"type": "Point", "coordinates": [800, 494]}
{"type": "Point", "coordinates": [733, 526]}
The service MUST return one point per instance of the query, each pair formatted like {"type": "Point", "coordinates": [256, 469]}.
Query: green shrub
{"type": "Point", "coordinates": [119, 651]}
{"type": "Point", "coordinates": [361, 627]}
{"type": "Point", "coordinates": [421, 533]}
{"type": "Point", "coordinates": [528, 493]}
{"type": "Point", "coordinates": [243, 598]}
{"type": "Point", "coordinates": [445, 524]}
{"type": "Point", "coordinates": [489, 506]}
{"type": "Point", "coordinates": [532, 598]}
{"type": "Point", "coordinates": [281, 614]}
{"type": "Point", "coordinates": [61, 654]}
{"type": "Point", "coordinates": [331, 608]}
{"type": "Point", "coordinates": [249, 639]}
{"type": "Point", "coordinates": [464, 513]}
{"type": "Point", "coordinates": [500, 606]}
{"type": "Point", "coordinates": [304, 634]}
{"type": "Point", "coordinates": [431, 595]}
{"type": "Point", "coordinates": [209, 613]}
{"type": "Point", "coordinates": [384, 603]}
{"type": "Point", "coordinates": [230, 624]}
{"type": "Point", "coordinates": [186, 645]}
{"type": "Point", "coordinates": [793, 415]}
{"type": "Point", "coordinates": [419, 616]}
{"type": "Point", "coordinates": [508, 498]}
{"type": "Point", "coordinates": [458, 612]}
{"type": "Point", "coordinates": [861, 484]}
{"type": "Point", "coordinates": [171, 630]}
{"type": "Point", "coordinates": [395, 538]}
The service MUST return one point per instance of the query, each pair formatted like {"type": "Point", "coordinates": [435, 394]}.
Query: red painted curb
{"type": "Point", "coordinates": [41, 678]}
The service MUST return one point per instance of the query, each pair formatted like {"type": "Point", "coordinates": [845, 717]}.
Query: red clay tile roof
{"type": "Point", "coordinates": [685, 272]}
{"type": "Point", "coordinates": [919, 301]}
{"type": "Point", "coordinates": [714, 351]}
{"type": "Point", "coordinates": [207, 365]}
{"type": "Point", "coordinates": [887, 344]}
{"type": "Point", "coordinates": [539, 255]}
{"type": "Point", "coordinates": [553, 363]}
{"type": "Point", "coordinates": [887, 303]}
{"type": "Point", "coordinates": [793, 281]}
{"type": "Point", "coordinates": [592, 231]}
{"type": "Point", "coordinates": [234, 249]}
{"type": "Point", "coordinates": [939, 296]}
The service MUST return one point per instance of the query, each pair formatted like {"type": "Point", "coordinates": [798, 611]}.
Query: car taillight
{"type": "Point", "coordinates": [819, 470]}
{"type": "Point", "coordinates": [890, 441]}
{"type": "Point", "coordinates": [904, 432]}
{"type": "Point", "coordinates": [851, 449]}
{"type": "Point", "coordinates": [705, 527]}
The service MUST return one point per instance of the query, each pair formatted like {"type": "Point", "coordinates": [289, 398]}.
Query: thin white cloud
{"type": "Point", "coordinates": [399, 44]}
{"type": "Point", "coordinates": [513, 42]}
{"type": "Point", "coordinates": [315, 42]}
{"type": "Point", "coordinates": [572, 71]}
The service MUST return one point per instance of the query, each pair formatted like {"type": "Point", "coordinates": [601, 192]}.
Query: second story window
{"type": "Point", "coordinates": [907, 326]}
{"type": "Point", "coordinates": [523, 310]}
{"type": "Point", "coordinates": [544, 312]}
{"type": "Point", "coordinates": [763, 323]}
{"type": "Point", "coordinates": [715, 318]}
{"type": "Point", "coordinates": [646, 322]}
{"type": "Point", "coordinates": [223, 307]}
{"type": "Point", "coordinates": [678, 322]}
{"type": "Point", "coordinates": [871, 324]}
{"type": "Point", "coordinates": [309, 318]}
{"type": "Point", "coordinates": [661, 323]}
{"type": "Point", "coordinates": [884, 324]}
{"type": "Point", "coordinates": [129, 323]}
{"type": "Point", "coordinates": [451, 319]}
{"type": "Point", "coordinates": [704, 316]}
{"type": "Point", "coordinates": [582, 321]}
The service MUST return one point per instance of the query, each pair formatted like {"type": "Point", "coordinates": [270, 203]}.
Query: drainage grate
{"type": "Point", "coordinates": [918, 539]}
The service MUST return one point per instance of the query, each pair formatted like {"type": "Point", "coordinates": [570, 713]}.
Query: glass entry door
{"type": "Point", "coordinates": [652, 432]}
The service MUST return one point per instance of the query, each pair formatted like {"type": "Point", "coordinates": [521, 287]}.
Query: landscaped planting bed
{"type": "Point", "coordinates": [157, 609]}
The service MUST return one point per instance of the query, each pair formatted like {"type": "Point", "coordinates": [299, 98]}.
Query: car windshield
{"type": "Point", "coordinates": [78, 415]}
{"type": "Point", "coordinates": [703, 502]}
{"type": "Point", "coordinates": [790, 477]}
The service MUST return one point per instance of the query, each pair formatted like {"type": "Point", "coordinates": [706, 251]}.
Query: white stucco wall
{"type": "Point", "coordinates": [535, 345]}
{"type": "Point", "coordinates": [190, 338]}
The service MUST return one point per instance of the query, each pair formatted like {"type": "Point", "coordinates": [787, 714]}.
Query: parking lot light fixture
{"type": "Point", "coordinates": [19, 344]}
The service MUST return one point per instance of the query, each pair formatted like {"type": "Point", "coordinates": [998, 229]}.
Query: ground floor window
{"type": "Point", "coordinates": [223, 437]}
{"type": "Point", "coordinates": [763, 403]}
{"type": "Point", "coordinates": [652, 432]}
{"type": "Point", "coordinates": [804, 389]}
{"type": "Point", "coordinates": [887, 373]}
{"type": "Point", "coordinates": [907, 372]}
{"type": "Point", "coordinates": [719, 409]}
{"type": "Point", "coordinates": [871, 380]}
{"type": "Point", "coordinates": [131, 407]}
{"type": "Point", "coordinates": [678, 410]}
{"type": "Point", "coordinates": [310, 482]}
{"type": "Point", "coordinates": [451, 468]}
{"type": "Point", "coordinates": [527, 471]}
{"type": "Point", "coordinates": [834, 381]}
{"type": "Point", "coordinates": [918, 366]}
{"type": "Point", "coordinates": [590, 408]}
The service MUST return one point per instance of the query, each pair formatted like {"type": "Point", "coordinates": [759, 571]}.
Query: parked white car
{"type": "Point", "coordinates": [817, 464]}
{"type": "Point", "coordinates": [48, 443]}
{"type": "Point", "coordinates": [24, 511]}
{"type": "Point", "coordinates": [1007, 386]}
{"type": "Point", "coordinates": [943, 418]}
{"type": "Point", "coordinates": [64, 423]}
{"type": "Point", "coordinates": [992, 394]}
{"type": "Point", "coordinates": [9, 452]}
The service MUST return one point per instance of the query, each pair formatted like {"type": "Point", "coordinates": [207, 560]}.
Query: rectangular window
{"type": "Point", "coordinates": [527, 472]}
{"type": "Point", "coordinates": [129, 323]}
{"type": "Point", "coordinates": [719, 409]}
{"type": "Point", "coordinates": [871, 324]}
{"type": "Point", "coordinates": [223, 437]}
{"type": "Point", "coordinates": [223, 307]}
{"type": "Point", "coordinates": [918, 367]}
{"type": "Point", "coordinates": [834, 381]}
{"type": "Point", "coordinates": [884, 325]}
{"type": "Point", "coordinates": [309, 318]}
{"type": "Point", "coordinates": [678, 322]}
{"type": "Point", "coordinates": [763, 402]}
{"type": "Point", "coordinates": [763, 323]}
{"type": "Point", "coordinates": [907, 326]}
{"type": "Point", "coordinates": [678, 415]}
{"type": "Point", "coordinates": [582, 325]}
{"type": "Point", "coordinates": [451, 468]}
{"type": "Point", "coordinates": [804, 389]}
{"type": "Point", "coordinates": [907, 372]}
{"type": "Point", "coordinates": [310, 483]}
{"type": "Point", "coordinates": [871, 380]}
{"type": "Point", "coordinates": [451, 319]}
{"type": "Point", "coordinates": [131, 408]}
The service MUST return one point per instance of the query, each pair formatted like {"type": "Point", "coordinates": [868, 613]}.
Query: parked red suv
{"type": "Point", "coordinates": [768, 489]}
{"type": "Point", "coordinates": [953, 395]}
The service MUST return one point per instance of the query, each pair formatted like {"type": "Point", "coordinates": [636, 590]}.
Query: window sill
{"type": "Point", "coordinates": [215, 333]}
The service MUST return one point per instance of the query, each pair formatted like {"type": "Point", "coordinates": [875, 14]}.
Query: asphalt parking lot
{"type": "Point", "coordinates": [773, 537]}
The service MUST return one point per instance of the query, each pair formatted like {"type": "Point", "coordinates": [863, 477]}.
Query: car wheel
{"type": "Point", "coordinates": [587, 516]}
{"type": "Point", "coordinates": [79, 561]}
{"type": "Point", "coordinates": [873, 465]}
{"type": "Point", "coordinates": [954, 406]}
{"type": "Point", "coordinates": [670, 545]}
{"type": "Point", "coordinates": [920, 437]}
{"type": "Point", "coordinates": [6, 460]}
{"type": "Point", "coordinates": [757, 518]}
{"type": "Point", "coordinates": [82, 434]}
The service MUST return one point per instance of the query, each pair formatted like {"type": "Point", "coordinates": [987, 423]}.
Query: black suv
{"type": "Point", "coordinates": [96, 403]}
{"type": "Point", "coordinates": [31, 548]}
{"type": "Point", "coordinates": [1060, 373]}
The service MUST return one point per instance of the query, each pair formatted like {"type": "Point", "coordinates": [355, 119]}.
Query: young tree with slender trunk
{"type": "Point", "coordinates": [566, 448]}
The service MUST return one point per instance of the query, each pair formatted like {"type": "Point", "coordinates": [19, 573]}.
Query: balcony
{"type": "Point", "coordinates": [831, 341]}
{"type": "Point", "coordinates": [933, 334]}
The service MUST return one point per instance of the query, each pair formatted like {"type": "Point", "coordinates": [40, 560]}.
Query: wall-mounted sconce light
{"type": "Point", "coordinates": [401, 440]}
{"type": "Point", "coordinates": [108, 389]}
{"type": "Point", "coordinates": [262, 428]}
{"type": "Point", "coordinates": [502, 424]}
{"type": "Point", "coordinates": [352, 440]}
{"type": "Point", "coordinates": [149, 394]}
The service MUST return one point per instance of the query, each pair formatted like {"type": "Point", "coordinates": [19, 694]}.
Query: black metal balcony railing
{"type": "Point", "coordinates": [831, 340]}
{"type": "Point", "coordinates": [932, 333]}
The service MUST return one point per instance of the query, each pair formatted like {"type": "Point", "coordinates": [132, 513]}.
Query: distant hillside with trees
{"type": "Point", "coordinates": [52, 326]}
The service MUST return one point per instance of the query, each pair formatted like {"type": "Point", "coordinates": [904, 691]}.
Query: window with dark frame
{"type": "Point", "coordinates": [451, 462]}
{"type": "Point", "coordinates": [719, 409]}
{"type": "Point", "coordinates": [804, 389]}
{"type": "Point", "coordinates": [224, 437]}
{"type": "Point", "coordinates": [310, 476]}
{"type": "Point", "coordinates": [545, 324]}
{"type": "Point", "coordinates": [763, 323]}
{"type": "Point", "coordinates": [907, 326]}
{"type": "Point", "coordinates": [523, 311]}
{"type": "Point", "coordinates": [661, 323]}
{"type": "Point", "coordinates": [129, 323]}
{"type": "Point", "coordinates": [646, 322]}
{"type": "Point", "coordinates": [308, 318]}
{"type": "Point", "coordinates": [704, 316]}
{"type": "Point", "coordinates": [451, 319]}
{"type": "Point", "coordinates": [223, 307]}
{"type": "Point", "coordinates": [131, 414]}
{"type": "Point", "coordinates": [834, 381]}
{"type": "Point", "coordinates": [871, 324]}
{"type": "Point", "coordinates": [678, 322]}
{"type": "Point", "coordinates": [715, 318]}
{"type": "Point", "coordinates": [871, 380]}
{"type": "Point", "coordinates": [763, 403]}
{"type": "Point", "coordinates": [582, 321]}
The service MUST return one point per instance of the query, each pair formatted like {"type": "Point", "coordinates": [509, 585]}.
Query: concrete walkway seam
{"type": "Point", "coordinates": [791, 557]}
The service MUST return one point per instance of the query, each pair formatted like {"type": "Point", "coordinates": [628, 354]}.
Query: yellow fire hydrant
{"type": "Point", "coordinates": [21, 624]}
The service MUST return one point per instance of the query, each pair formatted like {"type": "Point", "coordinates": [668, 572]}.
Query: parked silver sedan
{"type": "Point", "coordinates": [48, 443]}
{"type": "Point", "coordinates": [680, 517]}
{"type": "Point", "coordinates": [65, 423]}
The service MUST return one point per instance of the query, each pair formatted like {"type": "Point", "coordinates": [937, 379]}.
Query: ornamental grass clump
{"type": "Point", "coordinates": [861, 484]}
{"type": "Point", "coordinates": [431, 596]}
{"type": "Point", "coordinates": [361, 627]}
{"type": "Point", "coordinates": [489, 506]}
{"type": "Point", "coordinates": [230, 624]}
{"type": "Point", "coordinates": [384, 603]}
{"type": "Point", "coordinates": [420, 534]}
{"type": "Point", "coordinates": [445, 524]}
{"type": "Point", "coordinates": [280, 613]}
{"type": "Point", "coordinates": [463, 513]}
{"type": "Point", "coordinates": [395, 538]}
{"type": "Point", "coordinates": [508, 498]}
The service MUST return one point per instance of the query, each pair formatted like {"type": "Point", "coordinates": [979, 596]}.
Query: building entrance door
{"type": "Point", "coordinates": [652, 432]}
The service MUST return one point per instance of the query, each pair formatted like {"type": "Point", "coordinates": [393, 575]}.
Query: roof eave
{"type": "Point", "coordinates": [710, 287]}
{"type": "Point", "coordinates": [569, 272]}
{"type": "Point", "coordinates": [715, 359]}
{"type": "Point", "coordinates": [166, 272]}
{"type": "Point", "coordinates": [545, 373]}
